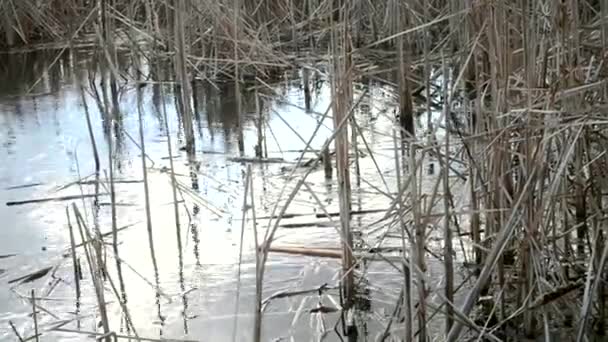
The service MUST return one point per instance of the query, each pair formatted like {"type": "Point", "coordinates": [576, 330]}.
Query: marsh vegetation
{"type": "Point", "coordinates": [329, 170]}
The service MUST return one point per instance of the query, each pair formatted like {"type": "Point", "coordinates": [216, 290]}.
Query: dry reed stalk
{"type": "Point", "coordinates": [174, 185]}
{"type": "Point", "coordinates": [35, 316]}
{"type": "Point", "coordinates": [182, 73]}
{"type": "Point", "coordinates": [259, 150]}
{"type": "Point", "coordinates": [74, 257]}
{"type": "Point", "coordinates": [529, 39]}
{"type": "Point", "coordinates": [144, 169]}
{"type": "Point", "coordinates": [341, 90]}
{"type": "Point", "coordinates": [90, 129]}
{"type": "Point", "coordinates": [447, 232]}
{"type": "Point", "coordinates": [237, 76]}
{"type": "Point", "coordinates": [538, 76]}
{"type": "Point", "coordinates": [238, 284]}
{"type": "Point", "coordinates": [100, 270]}
{"type": "Point", "coordinates": [326, 156]}
{"type": "Point", "coordinates": [110, 116]}
{"type": "Point", "coordinates": [257, 326]}
{"type": "Point", "coordinates": [374, 159]}
{"type": "Point", "coordinates": [406, 109]}
{"type": "Point", "coordinates": [306, 81]}
{"type": "Point", "coordinates": [120, 336]}
{"type": "Point", "coordinates": [94, 261]}
{"type": "Point", "coordinates": [501, 241]}
{"type": "Point", "coordinates": [406, 292]}
{"type": "Point", "coordinates": [273, 226]}
{"type": "Point", "coordinates": [419, 243]}
{"type": "Point", "coordinates": [15, 331]}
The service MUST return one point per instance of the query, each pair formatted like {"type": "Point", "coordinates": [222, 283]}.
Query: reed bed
{"type": "Point", "coordinates": [506, 96]}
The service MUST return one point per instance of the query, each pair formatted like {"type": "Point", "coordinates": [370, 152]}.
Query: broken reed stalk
{"type": "Point", "coordinates": [73, 252]}
{"type": "Point", "coordinates": [15, 331]}
{"type": "Point", "coordinates": [35, 317]}
{"type": "Point", "coordinates": [96, 272]}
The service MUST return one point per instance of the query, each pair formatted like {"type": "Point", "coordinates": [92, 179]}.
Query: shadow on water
{"type": "Point", "coordinates": [44, 133]}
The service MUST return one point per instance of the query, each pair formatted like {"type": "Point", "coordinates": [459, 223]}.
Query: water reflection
{"type": "Point", "coordinates": [181, 282]}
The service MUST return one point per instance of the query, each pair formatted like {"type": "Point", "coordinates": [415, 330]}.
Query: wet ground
{"type": "Point", "coordinates": [191, 290]}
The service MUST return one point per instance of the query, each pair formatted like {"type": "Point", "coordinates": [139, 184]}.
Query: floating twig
{"type": "Point", "coordinates": [53, 199]}
{"type": "Point", "coordinates": [257, 160]}
{"type": "Point", "coordinates": [32, 276]}
{"type": "Point", "coordinates": [24, 186]}
{"type": "Point", "coordinates": [15, 331]}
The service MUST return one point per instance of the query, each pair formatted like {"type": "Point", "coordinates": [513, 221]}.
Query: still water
{"type": "Point", "coordinates": [190, 290]}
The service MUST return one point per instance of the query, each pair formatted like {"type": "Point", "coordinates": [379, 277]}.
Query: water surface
{"type": "Point", "coordinates": [187, 285]}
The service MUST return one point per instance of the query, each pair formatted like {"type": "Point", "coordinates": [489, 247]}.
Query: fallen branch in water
{"type": "Point", "coordinates": [52, 199]}
{"type": "Point", "coordinates": [334, 253]}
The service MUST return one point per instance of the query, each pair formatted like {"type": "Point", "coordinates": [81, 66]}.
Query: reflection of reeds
{"type": "Point", "coordinates": [241, 241]}
{"type": "Point", "coordinates": [147, 206]}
